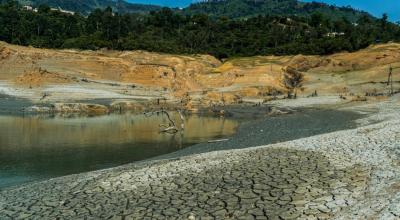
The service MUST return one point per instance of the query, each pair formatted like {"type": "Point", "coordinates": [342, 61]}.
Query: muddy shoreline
{"type": "Point", "coordinates": [300, 123]}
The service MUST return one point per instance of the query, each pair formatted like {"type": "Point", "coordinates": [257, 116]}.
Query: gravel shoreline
{"type": "Point", "coordinates": [341, 175]}
{"type": "Point", "coordinates": [275, 129]}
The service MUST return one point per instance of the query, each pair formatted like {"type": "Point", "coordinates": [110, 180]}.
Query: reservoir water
{"type": "Point", "coordinates": [37, 147]}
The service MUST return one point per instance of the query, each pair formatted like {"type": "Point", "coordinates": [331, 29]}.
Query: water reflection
{"type": "Point", "coordinates": [38, 147]}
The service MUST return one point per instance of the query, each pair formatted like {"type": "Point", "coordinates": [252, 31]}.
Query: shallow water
{"type": "Point", "coordinates": [12, 105]}
{"type": "Point", "coordinates": [37, 147]}
{"type": "Point", "coordinates": [41, 147]}
{"type": "Point", "coordinates": [270, 130]}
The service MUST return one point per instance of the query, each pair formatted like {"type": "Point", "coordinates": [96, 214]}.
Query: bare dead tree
{"type": "Point", "coordinates": [390, 80]}
{"type": "Point", "coordinates": [182, 119]}
{"type": "Point", "coordinates": [171, 126]}
{"type": "Point", "coordinates": [292, 80]}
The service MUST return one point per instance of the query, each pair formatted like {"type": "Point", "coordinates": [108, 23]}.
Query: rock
{"type": "Point", "coordinates": [126, 106]}
{"type": "Point", "coordinates": [95, 109]}
{"type": "Point", "coordinates": [38, 109]}
{"type": "Point", "coordinates": [191, 217]}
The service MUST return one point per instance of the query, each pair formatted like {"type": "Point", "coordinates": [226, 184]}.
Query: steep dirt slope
{"type": "Point", "coordinates": [360, 72]}
{"type": "Point", "coordinates": [150, 69]}
{"type": "Point", "coordinates": [194, 79]}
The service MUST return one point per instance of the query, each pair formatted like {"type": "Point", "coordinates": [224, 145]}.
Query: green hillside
{"type": "Point", "coordinates": [169, 31]}
{"type": "Point", "coordinates": [251, 8]}
{"type": "Point", "coordinates": [86, 6]}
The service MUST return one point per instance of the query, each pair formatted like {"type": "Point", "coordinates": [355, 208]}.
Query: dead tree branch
{"type": "Point", "coordinates": [182, 119]}
{"type": "Point", "coordinates": [171, 126]}
{"type": "Point", "coordinates": [45, 95]}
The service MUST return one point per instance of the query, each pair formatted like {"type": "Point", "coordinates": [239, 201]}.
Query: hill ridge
{"type": "Point", "coordinates": [214, 8]}
{"type": "Point", "coordinates": [86, 6]}
{"type": "Point", "coordinates": [251, 8]}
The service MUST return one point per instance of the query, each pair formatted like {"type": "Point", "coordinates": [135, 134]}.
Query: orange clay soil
{"type": "Point", "coordinates": [203, 77]}
{"type": "Point", "coordinates": [39, 77]}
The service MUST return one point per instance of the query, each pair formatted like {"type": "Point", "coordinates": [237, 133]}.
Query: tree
{"type": "Point", "coordinates": [292, 80]}
{"type": "Point", "coordinates": [317, 19]}
{"type": "Point", "coordinates": [384, 21]}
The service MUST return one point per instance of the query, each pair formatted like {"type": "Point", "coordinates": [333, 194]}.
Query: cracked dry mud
{"type": "Point", "coordinates": [343, 175]}
{"type": "Point", "coordinates": [282, 183]}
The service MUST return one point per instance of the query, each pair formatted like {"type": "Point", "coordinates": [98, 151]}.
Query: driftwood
{"type": "Point", "coordinates": [182, 119]}
{"type": "Point", "coordinates": [45, 95]}
{"type": "Point", "coordinates": [171, 126]}
{"type": "Point", "coordinates": [216, 141]}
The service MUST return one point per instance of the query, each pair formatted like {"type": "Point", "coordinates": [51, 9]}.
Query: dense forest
{"type": "Point", "coordinates": [173, 32]}
{"type": "Point", "coordinates": [85, 7]}
{"type": "Point", "coordinates": [251, 8]}
{"type": "Point", "coordinates": [213, 8]}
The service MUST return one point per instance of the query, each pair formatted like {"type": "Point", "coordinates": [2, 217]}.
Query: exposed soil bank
{"type": "Point", "coordinates": [59, 76]}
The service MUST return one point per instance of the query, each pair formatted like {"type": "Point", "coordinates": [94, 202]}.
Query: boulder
{"type": "Point", "coordinates": [80, 108]}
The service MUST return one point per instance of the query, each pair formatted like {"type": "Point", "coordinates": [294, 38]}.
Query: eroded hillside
{"type": "Point", "coordinates": [60, 75]}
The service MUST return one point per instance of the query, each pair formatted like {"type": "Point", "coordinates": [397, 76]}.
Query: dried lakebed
{"type": "Point", "coordinates": [343, 175]}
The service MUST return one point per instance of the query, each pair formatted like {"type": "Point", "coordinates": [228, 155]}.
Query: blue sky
{"type": "Point", "coordinates": [375, 7]}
